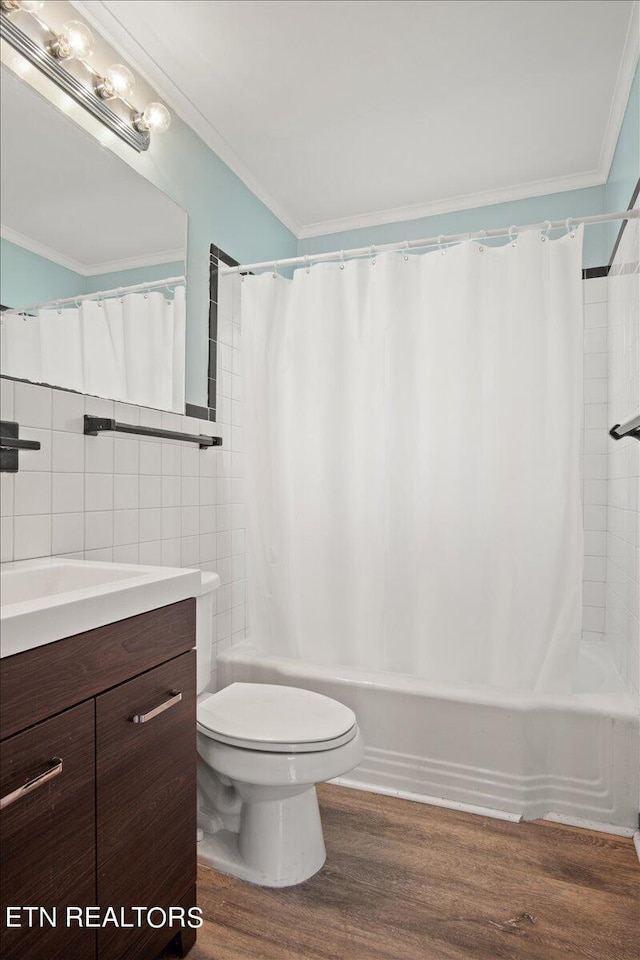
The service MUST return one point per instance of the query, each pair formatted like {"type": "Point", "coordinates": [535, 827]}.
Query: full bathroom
{"type": "Point", "coordinates": [320, 480]}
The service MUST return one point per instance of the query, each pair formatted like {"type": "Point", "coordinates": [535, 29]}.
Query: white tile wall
{"type": "Point", "coordinates": [594, 458]}
{"type": "Point", "coordinates": [116, 497]}
{"type": "Point", "coordinates": [622, 594]}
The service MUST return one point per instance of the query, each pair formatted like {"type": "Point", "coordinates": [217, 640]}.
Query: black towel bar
{"type": "Point", "coordinates": [95, 425]}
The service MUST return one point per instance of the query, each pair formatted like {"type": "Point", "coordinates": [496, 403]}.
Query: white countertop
{"type": "Point", "coordinates": [52, 598]}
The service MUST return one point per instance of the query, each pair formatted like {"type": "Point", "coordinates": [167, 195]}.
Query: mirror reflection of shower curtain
{"type": "Point", "coordinates": [129, 348]}
{"type": "Point", "coordinates": [412, 462]}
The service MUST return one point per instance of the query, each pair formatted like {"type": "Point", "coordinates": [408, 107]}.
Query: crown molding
{"type": "Point", "coordinates": [122, 40]}
{"type": "Point", "coordinates": [626, 71]}
{"type": "Point", "coordinates": [40, 249]}
{"type": "Point", "coordinates": [88, 269]}
{"type": "Point", "coordinates": [134, 263]}
{"type": "Point", "coordinates": [467, 201]}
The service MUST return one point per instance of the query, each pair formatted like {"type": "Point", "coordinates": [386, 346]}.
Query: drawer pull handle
{"type": "Point", "coordinates": [176, 697]}
{"type": "Point", "coordinates": [54, 769]}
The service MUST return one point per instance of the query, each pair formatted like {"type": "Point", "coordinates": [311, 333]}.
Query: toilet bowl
{"type": "Point", "coordinates": [262, 749]}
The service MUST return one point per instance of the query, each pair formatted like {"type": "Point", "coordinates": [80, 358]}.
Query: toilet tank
{"type": "Point", "coordinates": [204, 627]}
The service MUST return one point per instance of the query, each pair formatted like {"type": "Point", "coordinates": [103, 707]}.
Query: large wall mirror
{"type": "Point", "coordinates": [92, 279]}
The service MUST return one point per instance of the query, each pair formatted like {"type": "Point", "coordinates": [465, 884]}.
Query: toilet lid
{"type": "Point", "coordinates": [268, 717]}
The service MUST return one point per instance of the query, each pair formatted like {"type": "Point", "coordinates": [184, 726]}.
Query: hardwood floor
{"type": "Point", "coordinates": [406, 881]}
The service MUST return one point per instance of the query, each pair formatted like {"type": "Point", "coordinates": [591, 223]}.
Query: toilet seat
{"type": "Point", "coordinates": [275, 719]}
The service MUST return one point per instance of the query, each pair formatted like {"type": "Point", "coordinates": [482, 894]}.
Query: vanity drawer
{"type": "Point", "coordinates": [146, 810]}
{"type": "Point", "coordinates": [48, 833]}
{"type": "Point", "coordinates": [43, 681]}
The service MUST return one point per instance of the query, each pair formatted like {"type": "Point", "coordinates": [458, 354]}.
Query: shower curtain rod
{"type": "Point", "coordinates": [101, 294]}
{"type": "Point", "coordinates": [547, 225]}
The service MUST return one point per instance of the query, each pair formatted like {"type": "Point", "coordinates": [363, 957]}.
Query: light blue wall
{"type": "Point", "coordinates": [127, 278]}
{"type": "Point", "coordinates": [625, 169]}
{"type": "Point", "coordinates": [555, 206]}
{"type": "Point", "coordinates": [27, 279]}
{"type": "Point", "coordinates": [222, 210]}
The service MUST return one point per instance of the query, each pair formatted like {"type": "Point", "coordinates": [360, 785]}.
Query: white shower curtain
{"type": "Point", "coordinates": [129, 348]}
{"type": "Point", "coordinates": [412, 446]}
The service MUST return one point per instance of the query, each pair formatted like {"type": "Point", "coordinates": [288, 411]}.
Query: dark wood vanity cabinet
{"type": "Point", "coordinates": [100, 798]}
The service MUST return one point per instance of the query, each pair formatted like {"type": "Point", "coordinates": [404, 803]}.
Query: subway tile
{"type": "Point", "coordinates": [98, 491]}
{"type": "Point", "coordinates": [126, 491]}
{"type": "Point", "coordinates": [98, 530]}
{"type": "Point", "coordinates": [6, 399]}
{"type": "Point", "coordinates": [36, 459]}
{"type": "Point", "coordinates": [32, 493]}
{"type": "Point", "coordinates": [67, 492]}
{"type": "Point", "coordinates": [171, 553]}
{"type": "Point", "coordinates": [31, 536]}
{"type": "Point", "coordinates": [207, 547]}
{"type": "Point", "coordinates": [67, 411]}
{"type": "Point", "coordinates": [190, 521]}
{"type": "Point", "coordinates": [595, 315]}
{"type": "Point", "coordinates": [125, 455]}
{"type": "Point", "coordinates": [150, 457]}
{"type": "Point", "coordinates": [32, 405]}
{"type": "Point", "coordinates": [99, 407]}
{"type": "Point", "coordinates": [190, 551]}
{"type": "Point", "coordinates": [150, 491]}
{"type": "Point", "coordinates": [98, 454]}
{"type": "Point", "coordinates": [67, 532]}
{"type": "Point", "coordinates": [150, 525]}
{"type": "Point", "coordinates": [223, 544]}
{"type": "Point", "coordinates": [7, 487]}
{"type": "Point", "coordinates": [171, 523]}
{"type": "Point", "coordinates": [171, 491]}
{"type": "Point", "coordinates": [6, 540]}
{"type": "Point", "coordinates": [67, 452]}
{"type": "Point", "coordinates": [125, 527]}
{"type": "Point", "coordinates": [126, 553]}
{"type": "Point", "coordinates": [150, 553]}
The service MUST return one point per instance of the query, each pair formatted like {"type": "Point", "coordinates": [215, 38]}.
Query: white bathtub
{"type": "Point", "coordinates": [519, 756]}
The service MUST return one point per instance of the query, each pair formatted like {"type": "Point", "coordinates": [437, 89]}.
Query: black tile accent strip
{"type": "Point", "coordinates": [591, 273]}
{"type": "Point", "coordinates": [200, 413]}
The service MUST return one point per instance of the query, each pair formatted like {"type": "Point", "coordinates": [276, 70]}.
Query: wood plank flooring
{"type": "Point", "coordinates": [406, 881]}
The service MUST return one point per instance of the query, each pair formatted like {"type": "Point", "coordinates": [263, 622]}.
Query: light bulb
{"type": "Point", "coordinates": [75, 42]}
{"type": "Point", "coordinates": [118, 82]}
{"type": "Point", "coordinates": [156, 118]}
{"type": "Point", "coordinates": [122, 80]}
{"type": "Point", "coordinates": [31, 6]}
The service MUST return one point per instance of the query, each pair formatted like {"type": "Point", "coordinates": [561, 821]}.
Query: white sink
{"type": "Point", "coordinates": [48, 599]}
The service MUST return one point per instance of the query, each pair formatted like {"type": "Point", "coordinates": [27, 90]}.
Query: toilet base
{"type": "Point", "coordinates": [279, 843]}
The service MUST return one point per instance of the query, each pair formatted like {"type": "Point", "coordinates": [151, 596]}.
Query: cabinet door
{"type": "Point", "coordinates": [47, 834]}
{"type": "Point", "coordinates": [146, 802]}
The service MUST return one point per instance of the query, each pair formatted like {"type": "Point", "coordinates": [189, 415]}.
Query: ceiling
{"type": "Point", "coordinates": [67, 198]}
{"type": "Point", "coordinates": [343, 113]}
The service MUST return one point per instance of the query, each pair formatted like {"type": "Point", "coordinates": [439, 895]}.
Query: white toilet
{"type": "Point", "coordinates": [262, 749]}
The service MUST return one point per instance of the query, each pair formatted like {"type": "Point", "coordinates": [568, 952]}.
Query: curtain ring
{"type": "Point", "coordinates": [406, 251]}
{"type": "Point", "coordinates": [274, 275]}
{"type": "Point", "coordinates": [545, 235]}
{"type": "Point", "coordinates": [59, 308]}
{"type": "Point", "coordinates": [513, 237]}
{"type": "Point", "coordinates": [342, 259]}
{"type": "Point", "coordinates": [570, 229]}
{"type": "Point", "coordinates": [483, 234]}
{"type": "Point", "coordinates": [121, 294]}
{"type": "Point", "coordinates": [441, 246]}
{"type": "Point", "coordinates": [373, 255]}
{"type": "Point", "coordinates": [305, 264]}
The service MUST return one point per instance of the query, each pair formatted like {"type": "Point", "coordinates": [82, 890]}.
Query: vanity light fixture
{"type": "Point", "coordinates": [75, 42]}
